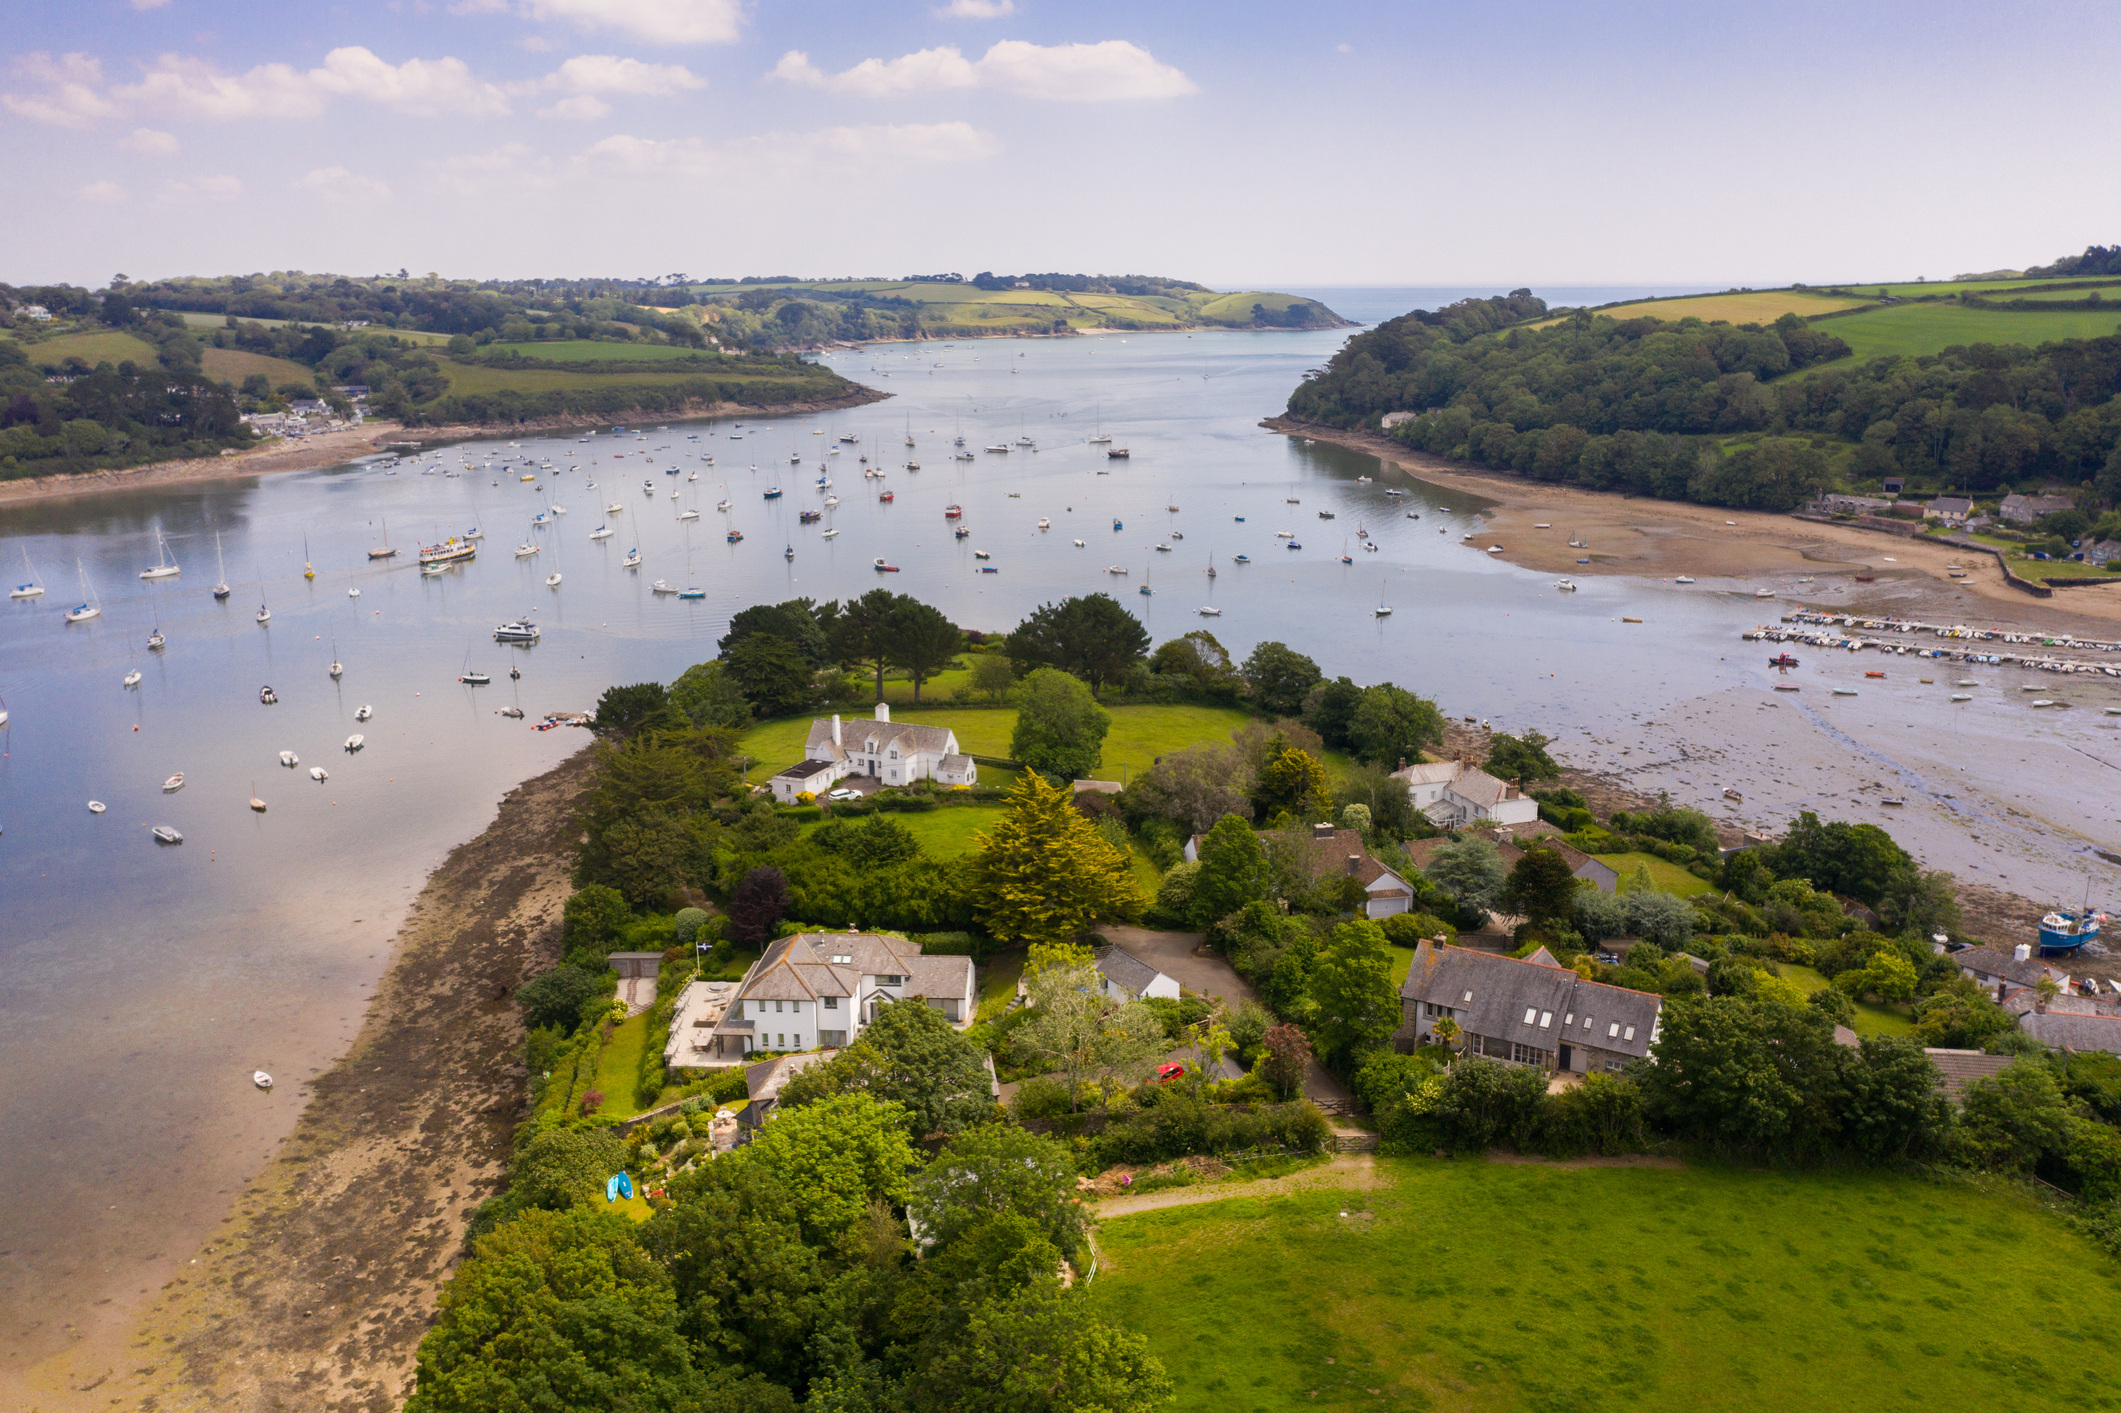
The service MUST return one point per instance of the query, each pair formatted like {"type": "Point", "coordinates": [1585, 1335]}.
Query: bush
{"type": "Point", "coordinates": [1484, 1103]}
{"type": "Point", "coordinates": [591, 920]}
{"type": "Point", "coordinates": [1180, 1123]}
{"type": "Point", "coordinates": [1407, 929]}
{"type": "Point", "coordinates": [688, 922]}
{"type": "Point", "coordinates": [560, 998]}
{"type": "Point", "coordinates": [1602, 1115]}
{"type": "Point", "coordinates": [1041, 1098]}
{"type": "Point", "coordinates": [1174, 897]}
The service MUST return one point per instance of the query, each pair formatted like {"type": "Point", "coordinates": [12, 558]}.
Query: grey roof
{"type": "Point", "coordinates": [1491, 995]}
{"type": "Point", "coordinates": [856, 734]}
{"type": "Point", "coordinates": [1125, 970]}
{"type": "Point", "coordinates": [763, 1081]}
{"type": "Point", "coordinates": [1956, 1069]}
{"type": "Point", "coordinates": [804, 769]}
{"type": "Point", "coordinates": [1481, 788]}
{"type": "Point", "coordinates": [2071, 1032]}
{"type": "Point", "coordinates": [809, 965]}
{"type": "Point", "coordinates": [1988, 962]}
{"type": "Point", "coordinates": [937, 977]}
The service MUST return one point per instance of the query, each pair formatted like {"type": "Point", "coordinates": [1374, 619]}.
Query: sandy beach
{"type": "Point", "coordinates": [336, 447]}
{"type": "Point", "coordinates": [317, 1287]}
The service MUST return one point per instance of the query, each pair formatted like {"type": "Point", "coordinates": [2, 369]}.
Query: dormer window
{"type": "Point", "coordinates": [842, 959]}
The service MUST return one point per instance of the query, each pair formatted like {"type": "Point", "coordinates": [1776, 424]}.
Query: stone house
{"type": "Point", "coordinates": [2024, 510]}
{"type": "Point", "coordinates": [1952, 510]}
{"type": "Point", "coordinates": [1530, 1012]}
{"type": "Point", "coordinates": [1127, 977]}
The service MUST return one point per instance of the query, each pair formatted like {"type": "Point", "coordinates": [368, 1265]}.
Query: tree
{"type": "Point", "coordinates": [1446, 1033]}
{"type": "Point", "coordinates": [1751, 1076]}
{"type": "Point", "coordinates": [923, 642]}
{"type": "Point", "coordinates": [556, 998]}
{"type": "Point", "coordinates": [1060, 728]}
{"type": "Point", "coordinates": [1040, 1350]}
{"type": "Point", "coordinates": [761, 900]}
{"type": "Point", "coordinates": [862, 633]}
{"type": "Point", "coordinates": [1470, 871]}
{"type": "Point", "coordinates": [1329, 709]}
{"type": "Point", "coordinates": [1290, 781]}
{"type": "Point", "coordinates": [911, 1054]}
{"type": "Point", "coordinates": [1279, 677]}
{"type": "Point", "coordinates": [992, 677]}
{"type": "Point", "coordinates": [774, 676]}
{"type": "Point", "coordinates": [1201, 660]}
{"type": "Point", "coordinates": [1860, 860]}
{"type": "Point", "coordinates": [709, 696]}
{"type": "Point", "coordinates": [1541, 889]}
{"type": "Point", "coordinates": [1076, 1033]}
{"type": "Point", "coordinates": [1044, 873]}
{"type": "Point", "coordinates": [2011, 1120]}
{"type": "Point", "coordinates": [624, 710]}
{"type": "Point", "coordinates": [1888, 976]}
{"type": "Point", "coordinates": [1890, 1107]}
{"type": "Point", "coordinates": [1920, 902]}
{"type": "Point", "coordinates": [644, 855]}
{"type": "Point", "coordinates": [559, 1168]}
{"type": "Point", "coordinates": [561, 1310]}
{"type": "Point", "coordinates": [1390, 724]}
{"type": "Point", "coordinates": [1351, 986]}
{"type": "Point", "coordinates": [1092, 637]}
{"type": "Point", "coordinates": [1288, 1056]}
{"type": "Point", "coordinates": [1521, 758]}
{"type": "Point", "coordinates": [1192, 788]}
{"type": "Point", "coordinates": [591, 920]}
{"type": "Point", "coordinates": [837, 1156]}
{"type": "Point", "coordinates": [798, 623]}
{"type": "Point", "coordinates": [1000, 1168]}
{"type": "Point", "coordinates": [1233, 870]}
{"type": "Point", "coordinates": [1657, 916]}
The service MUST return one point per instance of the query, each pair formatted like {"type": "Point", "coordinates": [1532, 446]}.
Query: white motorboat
{"type": "Point", "coordinates": [132, 678]}
{"type": "Point", "coordinates": [1044, 523]}
{"type": "Point", "coordinates": [1565, 586]}
{"type": "Point", "coordinates": [172, 785]}
{"type": "Point", "coordinates": [1684, 579]}
{"type": "Point", "coordinates": [661, 586]}
{"type": "Point", "coordinates": [1078, 544]}
{"type": "Point", "coordinates": [166, 834]}
{"type": "Point", "coordinates": [261, 1079]}
{"type": "Point", "coordinates": [97, 807]}
{"type": "Point", "coordinates": [354, 742]}
{"type": "Point", "coordinates": [526, 551]}
{"type": "Point", "coordinates": [319, 774]}
{"type": "Point", "coordinates": [831, 535]}
{"type": "Point", "coordinates": [364, 713]}
{"type": "Point", "coordinates": [156, 642]}
{"type": "Point", "coordinates": [552, 580]}
{"type": "Point", "coordinates": [520, 630]}
{"type": "Point", "coordinates": [1763, 593]}
{"type": "Point", "coordinates": [684, 515]}
{"type": "Point", "coordinates": [290, 759]}
{"type": "Point", "coordinates": [1211, 612]}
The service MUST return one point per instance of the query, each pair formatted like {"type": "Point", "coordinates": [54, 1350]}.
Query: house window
{"type": "Point", "coordinates": [778, 1004]}
{"type": "Point", "coordinates": [1586, 1022]}
{"type": "Point", "coordinates": [1528, 1054]}
{"type": "Point", "coordinates": [1467, 997]}
{"type": "Point", "coordinates": [1531, 1013]}
{"type": "Point", "coordinates": [781, 1042]}
{"type": "Point", "coordinates": [1569, 1019]}
{"type": "Point", "coordinates": [1630, 1035]}
{"type": "Point", "coordinates": [1546, 1018]}
{"type": "Point", "coordinates": [1612, 1030]}
{"type": "Point", "coordinates": [832, 1003]}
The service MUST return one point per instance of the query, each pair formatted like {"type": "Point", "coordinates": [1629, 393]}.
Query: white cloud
{"type": "Point", "coordinates": [154, 143]}
{"type": "Point", "coordinates": [603, 73]}
{"type": "Point", "coordinates": [512, 164]}
{"type": "Point", "coordinates": [583, 107]}
{"type": "Point", "coordinates": [102, 193]}
{"type": "Point", "coordinates": [70, 98]}
{"type": "Point", "coordinates": [342, 188]}
{"type": "Point", "coordinates": [651, 21]}
{"type": "Point", "coordinates": [193, 87]}
{"type": "Point", "coordinates": [149, 4]}
{"type": "Point", "coordinates": [422, 87]}
{"type": "Point", "coordinates": [977, 9]}
{"type": "Point", "coordinates": [865, 146]}
{"type": "Point", "coordinates": [1112, 71]}
{"type": "Point", "coordinates": [479, 7]}
{"type": "Point", "coordinates": [210, 188]}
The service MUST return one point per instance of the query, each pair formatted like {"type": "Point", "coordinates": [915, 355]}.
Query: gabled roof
{"type": "Point", "coordinates": [1492, 995]}
{"type": "Point", "coordinates": [1480, 788]}
{"type": "Point", "coordinates": [2071, 1032]}
{"type": "Point", "coordinates": [1441, 772]}
{"type": "Point", "coordinates": [763, 1081]}
{"type": "Point", "coordinates": [1987, 961]}
{"type": "Point", "coordinates": [1125, 970]}
{"type": "Point", "coordinates": [1956, 1069]}
{"type": "Point", "coordinates": [857, 733]}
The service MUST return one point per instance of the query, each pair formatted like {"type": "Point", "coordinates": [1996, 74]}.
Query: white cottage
{"type": "Point", "coordinates": [820, 990]}
{"type": "Point", "coordinates": [1453, 794]}
{"type": "Point", "coordinates": [887, 751]}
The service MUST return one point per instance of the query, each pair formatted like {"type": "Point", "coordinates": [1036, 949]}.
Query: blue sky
{"type": "Point", "coordinates": [1233, 142]}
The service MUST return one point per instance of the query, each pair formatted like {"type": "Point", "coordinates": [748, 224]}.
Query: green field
{"type": "Point", "coordinates": [944, 833]}
{"type": "Point", "coordinates": [1138, 736]}
{"type": "Point", "coordinates": [619, 1067]}
{"type": "Point", "coordinates": [947, 309]}
{"type": "Point", "coordinates": [1748, 307]}
{"type": "Point", "coordinates": [598, 351]}
{"type": "Point", "coordinates": [1931, 328]}
{"type": "Point", "coordinates": [1668, 876]}
{"type": "Point", "coordinates": [1474, 1285]}
{"type": "Point", "coordinates": [233, 365]}
{"type": "Point", "coordinates": [1871, 1019]}
{"type": "Point", "coordinates": [997, 984]}
{"type": "Point", "coordinates": [1994, 289]}
{"type": "Point", "coordinates": [470, 378]}
{"type": "Point", "coordinates": [106, 347]}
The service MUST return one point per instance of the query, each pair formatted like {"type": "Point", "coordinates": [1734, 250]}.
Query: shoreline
{"type": "Point", "coordinates": [315, 1288]}
{"type": "Point", "coordinates": [334, 448]}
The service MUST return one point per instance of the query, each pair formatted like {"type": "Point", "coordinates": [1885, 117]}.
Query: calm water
{"type": "Point", "coordinates": [141, 985]}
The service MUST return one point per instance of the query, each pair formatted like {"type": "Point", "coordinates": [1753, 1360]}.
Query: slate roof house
{"type": "Point", "coordinates": [2024, 510]}
{"type": "Point", "coordinates": [890, 752]}
{"type": "Point", "coordinates": [1342, 851]}
{"type": "Point", "coordinates": [2060, 1030]}
{"type": "Point", "coordinates": [1952, 510]}
{"type": "Point", "coordinates": [1530, 1012]}
{"type": "Point", "coordinates": [2006, 973]}
{"type": "Point", "coordinates": [819, 990]}
{"type": "Point", "coordinates": [1129, 978]}
{"type": "Point", "coordinates": [1956, 1069]}
{"type": "Point", "coordinates": [1453, 793]}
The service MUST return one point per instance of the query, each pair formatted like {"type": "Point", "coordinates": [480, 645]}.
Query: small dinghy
{"type": "Point", "coordinates": [132, 678]}
{"type": "Point", "coordinates": [319, 774]}
{"type": "Point", "coordinates": [364, 713]}
{"type": "Point", "coordinates": [172, 785]}
{"type": "Point", "coordinates": [513, 713]}
{"type": "Point", "coordinates": [552, 580]}
{"type": "Point", "coordinates": [353, 742]}
{"type": "Point", "coordinates": [261, 1079]}
{"type": "Point", "coordinates": [267, 696]}
{"type": "Point", "coordinates": [1964, 697]}
{"type": "Point", "coordinates": [290, 759]}
{"type": "Point", "coordinates": [164, 834]}
{"type": "Point", "coordinates": [97, 807]}
{"type": "Point", "coordinates": [257, 804]}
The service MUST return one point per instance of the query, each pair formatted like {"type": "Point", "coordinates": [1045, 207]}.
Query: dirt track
{"type": "Point", "coordinates": [316, 1290]}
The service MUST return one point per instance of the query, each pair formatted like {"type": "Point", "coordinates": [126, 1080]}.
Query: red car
{"type": "Point", "coordinates": [1166, 1073]}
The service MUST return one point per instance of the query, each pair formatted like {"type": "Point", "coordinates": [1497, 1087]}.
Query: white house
{"type": "Point", "coordinates": [819, 990]}
{"type": "Point", "coordinates": [1127, 977]}
{"type": "Point", "coordinates": [891, 753]}
{"type": "Point", "coordinates": [1453, 794]}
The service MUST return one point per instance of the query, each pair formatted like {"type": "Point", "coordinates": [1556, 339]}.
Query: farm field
{"type": "Point", "coordinates": [600, 351]}
{"type": "Point", "coordinates": [1997, 289]}
{"type": "Point", "coordinates": [108, 346]}
{"type": "Point", "coordinates": [1469, 1285]}
{"type": "Point", "coordinates": [944, 306]}
{"type": "Point", "coordinates": [1751, 307]}
{"type": "Point", "coordinates": [1931, 328]}
{"type": "Point", "coordinates": [467, 378]}
{"type": "Point", "coordinates": [233, 365]}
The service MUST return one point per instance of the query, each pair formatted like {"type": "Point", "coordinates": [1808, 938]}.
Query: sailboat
{"type": "Point", "coordinates": [29, 588]}
{"type": "Point", "coordinates": [165, 567]}
{"type": "Point", "coordinates": [384, 551]}
{"type": "Point", "coordinates": [309, 571]}
{"type": "Point", "coordinates": [1211, 566]}
{"type": "Point", "coordinates": [89, 607]}
{"type": "Point", "coordinates": [1383, 609]}
{"type": "Point", "coordinates": [1101, 437]}
{"type": "Point", "coordinates": [338, 669]}
{"type": "Point", "coordinates": [221, 589]}
{"type": "Point", "coordinates": [155, 641]}
{"type": "Point", "coordinates": [264, 614]}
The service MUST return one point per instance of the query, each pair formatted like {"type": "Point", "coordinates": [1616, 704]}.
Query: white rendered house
{"type": "Point", "coordinates": [889, 752]}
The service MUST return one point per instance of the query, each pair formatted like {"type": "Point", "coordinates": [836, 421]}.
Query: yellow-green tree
{"type": "Point", "coordinates": [1044, 874]}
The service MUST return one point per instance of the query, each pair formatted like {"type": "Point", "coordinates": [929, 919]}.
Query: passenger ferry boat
{"type": "Point", "coordinates": [450, 551]}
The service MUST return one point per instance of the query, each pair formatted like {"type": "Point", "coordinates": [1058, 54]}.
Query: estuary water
{"type": "Point", "coordinates": [140, 985]}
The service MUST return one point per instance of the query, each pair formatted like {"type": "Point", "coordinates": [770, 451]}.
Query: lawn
{"type": "Point", "coordinates": [233, 365]}
{"type": "Point", "coordinates": [599, 351]}
{"type": "Point", "coordinates": [1668, 876]}
{"type": "Point", "coordinates": [106, 347]}
{"type": "Point", "coordinates": [1473, 1285]}
{"type": "Point", "coordinates": [998, 976]}
{"type": "Point", "coordinates": [1871, 1019]}
{"type": "Point", "coordinates": [1138, 736]}
{"type": "Point", "coordinates": [1932, 328]}
{"type": "Point", "coordinates": [1751, 307]}
{"type": "Point", "coordinates": [619, 1067]}
{"type": "Point", "coordinates": [945, 833]}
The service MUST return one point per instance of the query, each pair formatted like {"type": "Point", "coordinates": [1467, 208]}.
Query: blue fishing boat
{"type": "Point", "coordinates": [2062, 932]}
{"type": "Point", "coordinates": [774, 494]}
{"type": "Point", "coordinates": [1117, 526]}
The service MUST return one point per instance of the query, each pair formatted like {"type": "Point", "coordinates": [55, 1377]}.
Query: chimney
{"type": "Point", "coordinates": [835, 729]}
{"type": "Point", "coordinates": [1354, 864]}
{"type": "Point", "coordinates": [1321, 832]}
{"type": "Point", "coordinates": [2022, 952]}
{"type": "Point", "coordinates": [883, 711]}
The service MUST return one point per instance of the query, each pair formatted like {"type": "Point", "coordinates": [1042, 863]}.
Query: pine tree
{"type": "Point", "coordinates": [1044, 873]}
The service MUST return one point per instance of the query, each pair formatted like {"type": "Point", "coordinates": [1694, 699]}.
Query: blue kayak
{"type": "Point", "coordinates": [620, 1186]}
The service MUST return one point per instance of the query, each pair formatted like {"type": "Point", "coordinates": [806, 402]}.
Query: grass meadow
{"type": "Point", "coordinates": [1751, 307]}
{"type": "Point", "coordinates": [1668, 876]}
{"type": "Point", "coordinates": [619, 1067]}
{"type": "Point", "coordinates": [467, 379]}
{"type": "Point", "coordinates": [109, 346]}
{"type": "Point", "coordinates": [1871, 1019]}
{"type": "Point", "coordinates": [597, 351]}
{"type": "Point", "coordinates": [1475, 1285]}
{"type": "Point", "coordinates": [1931, 328]}
{"type": "Point", "coordinates": [233, 365]}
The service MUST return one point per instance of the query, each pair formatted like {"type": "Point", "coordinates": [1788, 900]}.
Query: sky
{"type": "Point", "coordinates": [1234, 142]}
